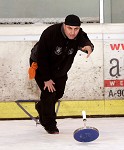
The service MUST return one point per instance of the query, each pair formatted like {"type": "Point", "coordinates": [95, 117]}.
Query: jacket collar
{"type": "Point", "coordinates": [63, 33]}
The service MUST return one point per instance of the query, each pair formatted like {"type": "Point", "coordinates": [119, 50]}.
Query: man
{"type": "Point", "coordinates": [56, 50]}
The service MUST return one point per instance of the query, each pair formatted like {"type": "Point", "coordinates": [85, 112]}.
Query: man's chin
{"type": "Point", "coordinates": [71, 37]}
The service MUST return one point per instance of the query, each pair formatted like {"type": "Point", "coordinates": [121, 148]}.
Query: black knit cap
{"type": "Point", "coordinates": [72, 20]}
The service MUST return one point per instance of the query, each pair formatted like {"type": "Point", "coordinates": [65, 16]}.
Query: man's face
{"type": "Point", "coordinates": [71, 31]}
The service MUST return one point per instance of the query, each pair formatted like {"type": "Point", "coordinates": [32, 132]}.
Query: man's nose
{"type": "Point", "coordinates": [72, 32]}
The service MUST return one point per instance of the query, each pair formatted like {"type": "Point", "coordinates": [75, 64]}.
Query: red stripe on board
{"type": "Point", "coordinates": [113, 83]}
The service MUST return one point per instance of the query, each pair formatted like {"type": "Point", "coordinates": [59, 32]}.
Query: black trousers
{"type": "Point", "coordinates": [46, 105]}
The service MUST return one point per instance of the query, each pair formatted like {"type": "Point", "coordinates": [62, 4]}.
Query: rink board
{"type": "Point", "coordinates": [66, 109]}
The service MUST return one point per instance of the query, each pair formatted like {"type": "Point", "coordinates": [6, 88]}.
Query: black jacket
{"type": "Point", "coordinates": [55, 52]}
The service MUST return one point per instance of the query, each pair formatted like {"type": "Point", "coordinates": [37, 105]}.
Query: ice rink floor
{"type": "Point", "coordinates": [24, 135]}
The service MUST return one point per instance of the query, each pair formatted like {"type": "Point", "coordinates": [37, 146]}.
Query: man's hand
{"type": "Point", "coordinates": [50, 85]}
{"type": "Point", "coordinates": [88, 49]}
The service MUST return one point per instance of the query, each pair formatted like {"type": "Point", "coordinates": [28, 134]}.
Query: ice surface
{"type": "Point", "coordinates": [24, 135]}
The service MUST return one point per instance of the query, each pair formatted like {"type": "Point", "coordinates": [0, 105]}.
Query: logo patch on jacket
{"type": "Point", "coordinates": [70, 51]}
{"type": "Point", "coordinates": [58, 50]}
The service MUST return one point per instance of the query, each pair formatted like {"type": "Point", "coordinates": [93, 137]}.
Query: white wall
{"type": "Point", "coordinates": [86, 77]}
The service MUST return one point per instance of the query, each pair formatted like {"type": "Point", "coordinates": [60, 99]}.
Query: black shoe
{"type": "Point", "coordinates": [52, 130]}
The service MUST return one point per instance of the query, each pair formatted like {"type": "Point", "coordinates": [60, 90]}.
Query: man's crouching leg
{"type": "Point", "coordinates": [46, 111]}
